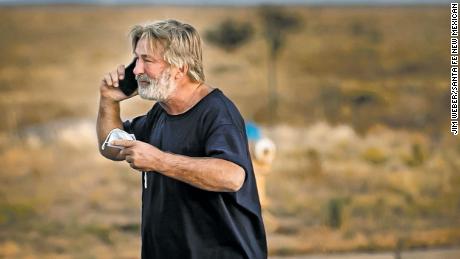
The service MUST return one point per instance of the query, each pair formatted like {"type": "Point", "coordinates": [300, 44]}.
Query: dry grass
{"type": "Point", "coordinates": [332, 198]}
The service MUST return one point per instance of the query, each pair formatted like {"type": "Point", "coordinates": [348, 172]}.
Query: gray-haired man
{"type": "Point", "coordinates": [199, 196]}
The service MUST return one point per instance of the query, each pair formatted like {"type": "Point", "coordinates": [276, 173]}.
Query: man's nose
{"type": "Point", "coordinates": [139, 68]}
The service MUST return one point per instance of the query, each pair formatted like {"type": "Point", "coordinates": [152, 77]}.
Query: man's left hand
{"type": "Point", "coordinates": [140, 155]}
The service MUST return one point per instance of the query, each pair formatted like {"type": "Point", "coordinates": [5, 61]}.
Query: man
{"type": "Point", "coordinates": [199, 195]}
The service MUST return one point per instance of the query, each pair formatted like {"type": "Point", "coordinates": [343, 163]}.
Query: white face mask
{"type": "Point", "coordinates": [116, 134]}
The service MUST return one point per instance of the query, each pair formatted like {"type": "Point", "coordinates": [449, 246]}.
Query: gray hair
{"type": "Point", "coordinates": [180, 42]}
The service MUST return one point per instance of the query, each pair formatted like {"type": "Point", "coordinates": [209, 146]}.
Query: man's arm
{"type": "Point", "coordinates": [211, 174]}
{"type": "Point", "coordinates": [206, 173]}
{"type": "Point", "coordinates": [108, 117]}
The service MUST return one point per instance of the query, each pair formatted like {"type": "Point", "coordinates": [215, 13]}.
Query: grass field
{"type": "Point", "coordinates": [365, 160]}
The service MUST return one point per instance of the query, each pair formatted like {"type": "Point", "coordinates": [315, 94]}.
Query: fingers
{"type": "Point", "coordinates": [123, 143]}
{"type": "Point", "coordinates": [108, 80]}
{"type": "Point", "coordinates": [111, 79]}
{"type": "Point", "coordinates": [125, 152]}
{"type": "Point", "coordinates": [121, 72]}
{"type": "Point", "coordinates": [129, 159]}
{"type": "Point", "coordinates": [114, 77]}
{"type": "Point", "coordinates": [131, 162]}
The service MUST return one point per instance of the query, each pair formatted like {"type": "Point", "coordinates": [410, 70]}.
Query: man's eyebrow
{"type": "Point", "coordinates": [143, 55]}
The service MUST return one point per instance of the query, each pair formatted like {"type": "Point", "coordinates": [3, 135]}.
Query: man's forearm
{"type": "Point", "coordinates": [210, 174]}
{"type": "Point", "coordinates": [108, 118]}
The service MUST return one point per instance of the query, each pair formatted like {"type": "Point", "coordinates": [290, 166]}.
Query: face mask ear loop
{"type": "Point", "coordinates": [106, 141]}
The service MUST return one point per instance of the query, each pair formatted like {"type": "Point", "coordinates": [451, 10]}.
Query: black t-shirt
{"type": "Point", "coordinates": [182, 221]}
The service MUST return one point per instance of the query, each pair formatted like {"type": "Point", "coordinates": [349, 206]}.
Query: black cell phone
{"type": "Point", "coordinates": [129, 83]}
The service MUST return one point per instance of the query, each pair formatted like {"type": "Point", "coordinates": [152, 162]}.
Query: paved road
{"type": "Point", "coordinates": [444, 253]}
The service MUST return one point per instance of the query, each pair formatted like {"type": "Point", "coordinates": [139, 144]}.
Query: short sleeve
{"type": "Point", "coordinates": [228, 142]}
{"type": "Point", "coordinates": [135, 126]}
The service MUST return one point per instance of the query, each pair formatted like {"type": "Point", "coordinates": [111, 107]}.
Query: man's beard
{"type": "Point", "coordinates": [158, 89]}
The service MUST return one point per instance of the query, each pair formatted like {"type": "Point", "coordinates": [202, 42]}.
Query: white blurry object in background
{"type": "Point", "coordinates": [264, 151]}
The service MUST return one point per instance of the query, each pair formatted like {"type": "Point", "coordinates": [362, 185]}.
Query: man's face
{"type": "Point", "coordinates": [153, 74]}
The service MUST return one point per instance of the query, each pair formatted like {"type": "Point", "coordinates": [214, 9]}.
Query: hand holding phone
{"type": "Point", "coordinates": [129, 83]}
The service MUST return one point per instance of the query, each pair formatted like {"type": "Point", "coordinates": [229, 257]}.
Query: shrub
{"type": "Point", "coordinates": [230, 34]}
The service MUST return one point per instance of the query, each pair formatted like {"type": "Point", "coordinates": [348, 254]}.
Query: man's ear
{"type": "Point", "coordinates": [181, 72]}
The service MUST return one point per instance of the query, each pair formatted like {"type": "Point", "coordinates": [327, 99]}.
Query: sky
{"type": "Point", "coordinates": [227, 2]}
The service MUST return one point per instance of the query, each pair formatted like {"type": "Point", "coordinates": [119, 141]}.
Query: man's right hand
{"type": "Point", "coordinates": [110, 83]}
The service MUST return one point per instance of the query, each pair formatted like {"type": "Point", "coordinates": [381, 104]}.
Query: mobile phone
{"type": "Point", "coordinates": [129, 83]}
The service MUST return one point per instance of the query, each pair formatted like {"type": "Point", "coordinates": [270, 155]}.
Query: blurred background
{"type": "Point", "coordinates": [354, 94]}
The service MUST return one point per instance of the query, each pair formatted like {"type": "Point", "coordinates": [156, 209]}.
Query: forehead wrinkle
{"type": "Point", "coordinates": [141, 48]}
{"type": "Point", "coordinates": [149, 48]}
